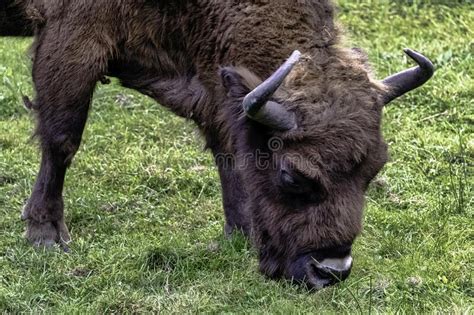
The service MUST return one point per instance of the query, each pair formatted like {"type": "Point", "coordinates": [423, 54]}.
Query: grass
{"type": "Point", "coordinates": [144, 207]}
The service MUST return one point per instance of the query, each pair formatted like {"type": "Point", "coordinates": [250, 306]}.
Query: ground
{"type": "Point", "coordinates": [144, 207]}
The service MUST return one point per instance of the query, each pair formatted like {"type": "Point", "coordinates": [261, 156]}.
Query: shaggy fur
{"type": "Point", "coordinates": [200, 58]}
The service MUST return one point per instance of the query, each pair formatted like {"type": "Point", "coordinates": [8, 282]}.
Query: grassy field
{"type": "Point", "coordinates": [144, 207]}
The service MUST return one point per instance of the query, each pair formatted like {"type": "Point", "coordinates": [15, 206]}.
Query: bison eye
{"type": "Point", "coordinates": [307, 189]}
{"type": "Point", "coordinates": [287, 179]}
{"type": "Point", "coordinates": [293, 183]}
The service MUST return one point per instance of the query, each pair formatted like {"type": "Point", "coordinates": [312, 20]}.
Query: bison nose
{"type": "Point", "coordinates": [320, 274]}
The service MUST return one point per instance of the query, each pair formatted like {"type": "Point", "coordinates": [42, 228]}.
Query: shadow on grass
{"type": "Point", "coordinates": [211, 257]}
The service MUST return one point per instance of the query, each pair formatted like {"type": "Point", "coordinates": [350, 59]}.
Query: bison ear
{"type": "Point", "coordinates": [233, 83]}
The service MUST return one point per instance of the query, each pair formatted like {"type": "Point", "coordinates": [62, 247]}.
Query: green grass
{"type": "Point", "coordinates": [144, 207]}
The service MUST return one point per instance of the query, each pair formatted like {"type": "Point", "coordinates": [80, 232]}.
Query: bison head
{"type": "Point", "coordinates": [308, 142]}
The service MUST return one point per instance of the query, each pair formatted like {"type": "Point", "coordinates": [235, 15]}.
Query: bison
{"type": "Point", "coordinates": [297, 140]}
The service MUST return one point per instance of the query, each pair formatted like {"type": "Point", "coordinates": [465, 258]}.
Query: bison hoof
{"type": "Point", "coordinates": [228, 230]}
{"type": "Point", "coordinates": [47, 234]}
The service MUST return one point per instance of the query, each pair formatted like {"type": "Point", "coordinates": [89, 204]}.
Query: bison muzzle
{"type": "Point", "coordinates": [291, 115]}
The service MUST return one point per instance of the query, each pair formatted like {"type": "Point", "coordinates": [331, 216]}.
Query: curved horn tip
{"type": "Point", "coordinates": [295, 56]}
{"type": "Point", "coordinates": [410, 79]}
{"type": "Point", "coordinates": [255, 100]}
{"type": "Point", "coordinates": [423, 61]}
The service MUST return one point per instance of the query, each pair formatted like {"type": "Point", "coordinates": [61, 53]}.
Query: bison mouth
{"type": "Point", "coordinates": [314, 270]}
{"type": "Point", "coordinates": [318, 274]}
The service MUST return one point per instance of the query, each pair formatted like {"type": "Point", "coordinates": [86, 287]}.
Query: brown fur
{"type": "Point", "coordinates": [174, 52]}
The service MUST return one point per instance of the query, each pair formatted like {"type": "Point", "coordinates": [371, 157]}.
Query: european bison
{"type": "Point", "coordinates": [296, 141]}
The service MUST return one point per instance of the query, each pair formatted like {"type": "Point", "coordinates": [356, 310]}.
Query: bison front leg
{"type": "Point", "coordinates": [234, 196]}
{"type": "Point", "coordinates": [64, 80]}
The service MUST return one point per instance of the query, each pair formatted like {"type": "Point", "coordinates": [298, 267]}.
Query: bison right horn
{"type": "Point", "coordinates": [410, 79]}
{"type": "Point", "coordinates": [257, 104]}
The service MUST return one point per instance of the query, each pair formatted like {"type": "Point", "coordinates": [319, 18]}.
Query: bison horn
{"type": "Point", "coordinates": [258, 107]}
{"type": "Point", "coordinates": [410, 79]}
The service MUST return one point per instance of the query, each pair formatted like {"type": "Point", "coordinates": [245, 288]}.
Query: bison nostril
{"type": "Point", "coordinates": [318, 272]}
{"type": "Point", "coordinates": [317, 277]}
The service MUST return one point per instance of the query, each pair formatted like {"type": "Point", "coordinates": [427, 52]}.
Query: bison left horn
{"type": "Point", "coordinates": [410, 79]}
{"type": "Point", "coordinates": [257, 104]}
